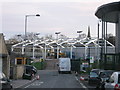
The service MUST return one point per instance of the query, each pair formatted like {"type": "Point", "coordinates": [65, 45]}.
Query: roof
{"type": "Point", "coordinates": [3, 49]}
{"type": "Point", "coordinates": [92, 42]}
{"type": "Point", "coordinates": [109, 12]}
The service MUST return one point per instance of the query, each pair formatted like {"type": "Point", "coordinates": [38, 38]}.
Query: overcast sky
{"type": "Point", "coordinates": [66, 16]}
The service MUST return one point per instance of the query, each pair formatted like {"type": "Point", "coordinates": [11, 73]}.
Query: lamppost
{"type": "Point", "coordinates": [26, 16]}
{"type": "Point", "coordinates": [19, 37]}
{"type": "Point", "coordinates": [79, 33]}
{"type": "Point", "coordinates": [57, 33]}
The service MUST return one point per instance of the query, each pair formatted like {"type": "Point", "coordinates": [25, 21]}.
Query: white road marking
{"type": "Point", "coordinates": [22, 85]}
{"type": "Point", "coordinates": [27, 86]}
{"type": "Point", "coordinates": [34, 84]}
{"type": "Point", "coordinates": [83, 86]}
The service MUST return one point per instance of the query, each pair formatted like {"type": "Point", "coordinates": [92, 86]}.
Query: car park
{"type": "Point", "coordinates": [5, 82]}
{"type": "Point", "coordinates": [114, 82]}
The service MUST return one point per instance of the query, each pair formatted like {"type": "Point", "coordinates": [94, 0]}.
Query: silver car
{"type": "Point", "coordinates": [114, 82]}
{"type": "Point", "coordinates": [5, 82]}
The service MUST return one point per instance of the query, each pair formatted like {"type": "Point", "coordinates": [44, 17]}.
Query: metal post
{"type": "Point", "coordinates": [33, 52]}
{"type": "Point", "coordinates": [26, 24]}
{"type": "Point", "coordinates": [89, 60]}
{"type": "Point", "coordinates": [86, 51]}
{"type": "Point", "coordinates": [57, 52]}
{"type": "Point", "coordinates": [71, 52]}
{"type": "Point", "coordinates": [98, 43]}
{"type": "Point", "coordinates": [102, 48]}
{"type": "Point", "coordinates": [57, 44]}
{"type": "Point", "coordinates": [26, 27]}
{"type": "Point", "coordinates": [45, 51]}
{"type": "Point", "coordinates": [23, 48]}
{"type": "Point", "coordinates": [106, 37]}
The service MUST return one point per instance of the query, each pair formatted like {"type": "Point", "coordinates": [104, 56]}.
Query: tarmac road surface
{"type": "Point", "coordinates": [52, 79]}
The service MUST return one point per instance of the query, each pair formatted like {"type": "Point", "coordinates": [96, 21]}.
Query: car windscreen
{"type": "Point", "coordinates": [93, 74]}
{"type": "Point", "coordinates": [96, 71]}
{"type": "Point", "coordinates": [109, 73]}
{"type": "Point", "coordinates": [119, 78]}
{"type": "Point", "coordinates": [106, 74]}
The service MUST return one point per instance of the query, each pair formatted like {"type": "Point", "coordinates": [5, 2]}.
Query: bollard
{"type": "Point", "coordinates": [38, 77]}
{"type": "Point", "coordinates": [81, 78]}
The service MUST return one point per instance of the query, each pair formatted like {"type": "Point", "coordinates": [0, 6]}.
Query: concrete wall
{"type": "Point", "coordinates": [6, 65]}
{"type": "Point", "coordinates": [18, 71]}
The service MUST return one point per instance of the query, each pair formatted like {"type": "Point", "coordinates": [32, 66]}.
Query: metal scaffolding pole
{"type": "Point", "coordinates": [71, 52]}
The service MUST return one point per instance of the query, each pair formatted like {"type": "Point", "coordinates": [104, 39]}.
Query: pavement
{"type": "Point", "coordinates": [22, 82]}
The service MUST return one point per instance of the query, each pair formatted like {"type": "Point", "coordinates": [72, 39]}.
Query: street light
{"type": "Point", "coordinates": [35, 36]}
{"type": "Point", "coordinates": [57, 35]}
{"type": "Point", "coordinates": [57, 44]}
{"type": "Point", "coordinates": [79, 33]}
{"type": "Point", "coordinates": [26, 23]}
{"type": "Point", "coordinates": [19, 37]}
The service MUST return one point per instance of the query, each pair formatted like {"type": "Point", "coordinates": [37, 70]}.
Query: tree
{"type": "Point", "coordinates": [63, 37]}
{"type": "Point", "coordinates": [48, 37]}
{"type": "Point", "coordinates": [18, 38]}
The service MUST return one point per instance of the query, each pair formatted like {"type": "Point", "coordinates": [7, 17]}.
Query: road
{"type": "Point", "coordinates": [52, 79]}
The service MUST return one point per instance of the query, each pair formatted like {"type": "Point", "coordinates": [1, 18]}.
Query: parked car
{"type": "Point", "coordinates": [93, 78]}
{"type": "Point", "coordinates": [29, 72]}
{"type": "Point", "coordinates": [114, 82]}
{"type": "Point", "coordinates": [30, 69]}
{"type": "Point", "coordinates": [96, 71]}
{"type": "Point", "coordinates": [5, 82]}
{"type": "Point", "coordinates": [104, 75]}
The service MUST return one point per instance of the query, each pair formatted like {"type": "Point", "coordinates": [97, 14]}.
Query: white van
{"type": "Point", "coordinates": [64, 65]}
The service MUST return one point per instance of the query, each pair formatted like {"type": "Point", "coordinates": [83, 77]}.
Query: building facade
{"type": "Point", "coordinates": [110, 13]}
{"type": "Point", "coordinates": [4, 57]}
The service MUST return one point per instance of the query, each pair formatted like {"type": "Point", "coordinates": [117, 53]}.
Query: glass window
{"type": "Point", "coordinates": [93, 74]}
{"type": "Point", "coordinates": [102, 74]}
{"type": "Point", "coordinates": [19, 61]}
